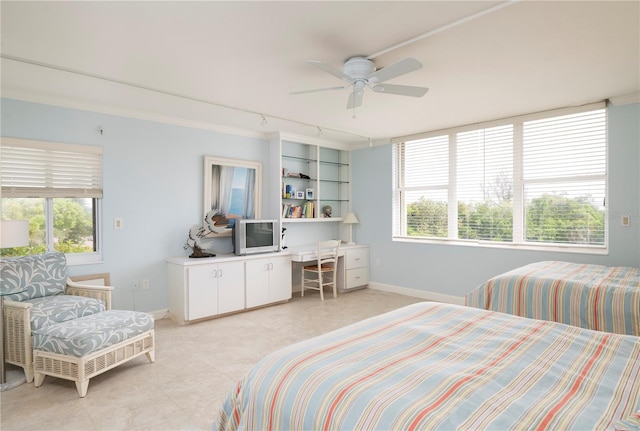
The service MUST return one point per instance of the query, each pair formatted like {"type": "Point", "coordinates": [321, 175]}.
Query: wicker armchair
{"type": "Point", "coordinates": [49, 297]}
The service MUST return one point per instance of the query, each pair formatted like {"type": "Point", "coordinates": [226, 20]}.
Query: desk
{"type": "Point", "coordinates": [353, 264]}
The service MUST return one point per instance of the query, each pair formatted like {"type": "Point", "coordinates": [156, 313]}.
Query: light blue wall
{"type": "Point", "coordinates": [455, 270]}
{"type": "Point", "coordinates": [153, 180]}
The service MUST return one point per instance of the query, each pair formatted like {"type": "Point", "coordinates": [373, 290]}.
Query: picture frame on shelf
{"type": "Point", "coordinates": [309, 194]}
{"type": "Point", "coordinates": [299, 194]}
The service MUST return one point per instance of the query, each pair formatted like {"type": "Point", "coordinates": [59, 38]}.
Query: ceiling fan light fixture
{"type": "Point", "coordinates": [360, 72]}
{"type": "Point", "coordinates": [358, 68]}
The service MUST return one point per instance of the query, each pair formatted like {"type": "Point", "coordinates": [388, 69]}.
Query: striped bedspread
{"type": "Point", "coordinates": [596, 297]}
{"type": "Point", "coordinates": [433, 366]}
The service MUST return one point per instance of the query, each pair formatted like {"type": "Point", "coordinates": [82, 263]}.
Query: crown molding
{"type": "Point", "coordinates": [128, 113]}
{"type": "Point", "coordinates": [625, 100]}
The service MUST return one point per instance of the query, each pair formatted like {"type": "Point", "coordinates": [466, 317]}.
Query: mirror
{"type": "Point", "coordinates": [233, 187]}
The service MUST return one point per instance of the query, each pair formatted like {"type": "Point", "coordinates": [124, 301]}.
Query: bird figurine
{"type": "Point", "coordinates": [214, 223]}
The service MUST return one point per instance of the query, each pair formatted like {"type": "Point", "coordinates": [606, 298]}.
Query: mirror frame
{"type": "Point", "coordinates": [211, 161]}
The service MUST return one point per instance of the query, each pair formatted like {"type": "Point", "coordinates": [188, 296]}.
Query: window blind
{"type": "Point", "coordinates": [484, 184]}
{"type": "Point", "coordinates": [534, 179]}
{"type": "Point", "coordinates": [425, 185]}
{"type": "Point", "coordinates": [49, 169]}
{"type": "Point", "coordinates": [564, 178]}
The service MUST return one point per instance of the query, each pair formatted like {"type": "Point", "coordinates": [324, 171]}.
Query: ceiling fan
{"type": "Point", "coordinates": [360, 72]}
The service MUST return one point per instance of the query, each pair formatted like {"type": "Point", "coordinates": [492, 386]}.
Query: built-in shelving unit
{"type": "Point", "coordinates": [312, 177]}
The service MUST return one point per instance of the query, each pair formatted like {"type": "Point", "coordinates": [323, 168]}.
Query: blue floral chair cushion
{"type": "Point", "coordinates": [40, 275]}
{"type": "Point", "coordinates": [85, 335]}
{"type": "Point", "coordinates": [60, 308]}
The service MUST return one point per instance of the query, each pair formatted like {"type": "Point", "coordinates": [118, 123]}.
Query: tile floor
{"type": "Point", "coordinates": [195, 366]}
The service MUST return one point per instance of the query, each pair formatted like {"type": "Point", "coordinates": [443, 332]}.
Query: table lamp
{"type": "Point", "coordinates": [350, 219]}
{"type": "Point", "coordinates": [14, 233]}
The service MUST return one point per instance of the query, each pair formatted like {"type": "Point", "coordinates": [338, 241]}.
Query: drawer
{"type": "Point", "coordinates": [357, 258]}
{"type": "Point", "coordinates": [357, 277]}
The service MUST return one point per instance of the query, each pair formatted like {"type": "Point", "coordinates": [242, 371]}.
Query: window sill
{"type": "Point", "coordinates": [74, 259]}
{"type": "Point", "coordinates": [595, 250]}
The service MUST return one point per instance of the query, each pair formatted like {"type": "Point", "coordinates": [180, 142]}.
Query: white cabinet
{"type": "Point", "coordinates": [201, 288]}
{"type": "Point", "coordinates": [356, 267]}
{"type": "Point", "coordinates": [231, 291]}
{"type": "Point", "coordinates": [214, 289]}
{"type": "Point", "coordinates": [201, 292]}
{"type": "Point", "coordinates": [268, 280]}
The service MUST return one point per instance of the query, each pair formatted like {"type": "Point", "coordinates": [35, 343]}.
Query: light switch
{"type": "Point", "coordinates": [625, 220]}
{"type": "Point", "coordinates": [117, 223]}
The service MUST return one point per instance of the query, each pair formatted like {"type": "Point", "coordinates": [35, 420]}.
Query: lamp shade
{"type": "Point", "coordinates": [14, 233]}
{"type": "Point", "coordinates": [350, 218]}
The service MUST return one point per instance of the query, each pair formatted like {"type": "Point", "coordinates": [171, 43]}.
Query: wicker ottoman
{"type": "Point", "coordinates": [80, 349]}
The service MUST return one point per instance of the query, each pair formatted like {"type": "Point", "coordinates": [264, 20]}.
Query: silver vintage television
{"type": "Point", "coordinates": [255, 236]}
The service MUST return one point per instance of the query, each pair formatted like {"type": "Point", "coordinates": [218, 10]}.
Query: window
{"type": "Point", "coordinates": [58, 188]}
{"type": "Point", "coordinates": [537, 180]}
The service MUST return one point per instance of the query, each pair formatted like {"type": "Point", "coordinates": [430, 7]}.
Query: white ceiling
{"type": "Point", "coordinates": [189, 62]}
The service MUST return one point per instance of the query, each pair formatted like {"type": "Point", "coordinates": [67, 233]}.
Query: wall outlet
{"type": "Point", "coordinates": [117, 223]}
{"type": "Point", "coordinates": [145, 284]}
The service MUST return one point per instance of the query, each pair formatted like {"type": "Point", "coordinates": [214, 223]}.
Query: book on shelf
{"type": "Point", "coordinates": [305, 210]}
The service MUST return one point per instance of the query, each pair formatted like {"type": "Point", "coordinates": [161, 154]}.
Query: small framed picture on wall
{"type": "Point", "coordinates": [309, 194]}
{"type": "Point", "coordinates": [299, 194]}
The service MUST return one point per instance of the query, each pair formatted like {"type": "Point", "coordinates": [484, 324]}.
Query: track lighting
{"type": "Point", "coordinates": [100, 129]}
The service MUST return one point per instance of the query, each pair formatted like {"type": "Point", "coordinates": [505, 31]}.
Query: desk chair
{"type": "Point", "coordinates": [313, 276]}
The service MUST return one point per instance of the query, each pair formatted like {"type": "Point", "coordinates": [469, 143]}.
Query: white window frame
{"type": "Point", "coordinates": [49, 187]}
{"type": "Point", "coordinates": [518, 242]}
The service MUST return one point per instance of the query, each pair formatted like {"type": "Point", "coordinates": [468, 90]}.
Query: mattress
{"type": "Point", "coordinates": [596, 297]}
{"type": "Point", "coordinates": [442, 366]}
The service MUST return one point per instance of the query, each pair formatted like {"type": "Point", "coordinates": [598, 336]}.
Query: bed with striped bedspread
{"type": "Point", "coordinates": [433, 366]}
{"type": "Point", "coordinates": [604, 298]}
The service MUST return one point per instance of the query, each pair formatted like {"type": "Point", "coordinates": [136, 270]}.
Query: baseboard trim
{"type": "Point", "coordinates": [417, 293]}
{"type": "Point", "coordinates": [159, 314]}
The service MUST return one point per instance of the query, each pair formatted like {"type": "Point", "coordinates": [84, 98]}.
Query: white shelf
{"type": "Point", "coordinates": [312, 220]}
{"type": "Point", "coordinates": [329, 176]}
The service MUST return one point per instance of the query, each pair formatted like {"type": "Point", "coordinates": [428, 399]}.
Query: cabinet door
{"type": "Point", "coordinates": [257, 281]}
{"type": "Point", "coordinates": [230, 287]}
{"type": "Point", "coordinates": [357, 258]}
{"type": "Point", "coordinates": [202, 292]}
{"type": "Point", "coordinates": [280, 279]}
{"type": "Point", "coordinates": [356, 277]}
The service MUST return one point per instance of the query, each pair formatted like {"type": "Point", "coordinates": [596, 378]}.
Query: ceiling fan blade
{"type": "Point", "coordinates": [355, 99]}
{"type": "Point", "coordinates": [402, 90]}
{"type": "Point", "coordinates": [335, 72]}
{"type": "Point", "coordinates": [396, 69]}
{"type": "Point", "coordinates": [318, 89]}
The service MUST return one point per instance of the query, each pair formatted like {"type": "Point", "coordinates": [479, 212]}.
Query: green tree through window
{"type": "Point", "coordinates": [538, 179]}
